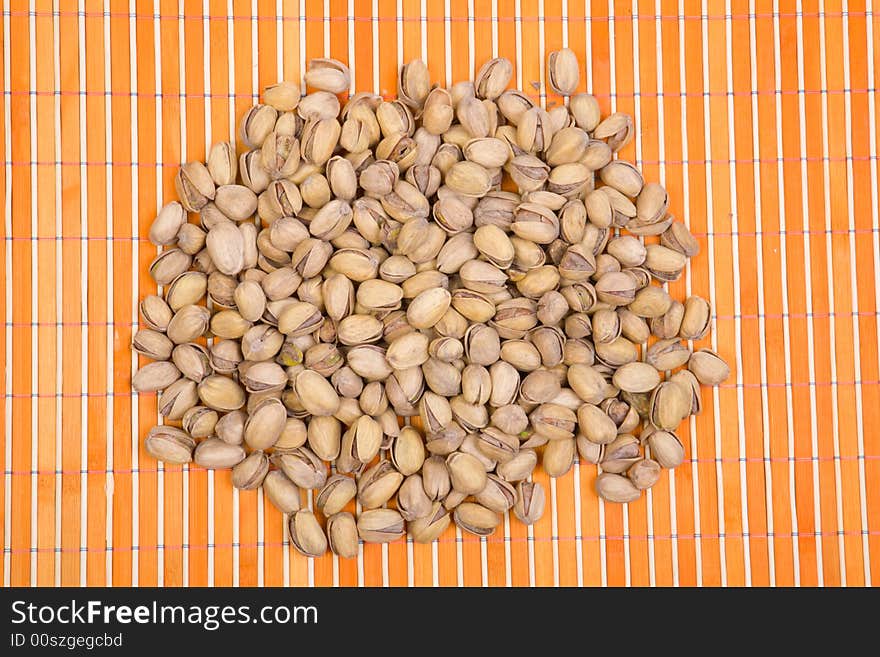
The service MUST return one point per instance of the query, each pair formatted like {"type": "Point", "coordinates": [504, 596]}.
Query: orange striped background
{"type": "Point", "coordinates": [761, 119]}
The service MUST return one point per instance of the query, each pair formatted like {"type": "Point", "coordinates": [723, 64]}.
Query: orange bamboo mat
{"type": "Point", "coordinates": [760, 118]}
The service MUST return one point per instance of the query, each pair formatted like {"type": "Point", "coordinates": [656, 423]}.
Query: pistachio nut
{"type": "Point", "coordinates": [342, 535]}
{"type": "Point", "coordinates": [169, 444]}
{"type": "Point", "coordinates": [380, 526]}
{"type": "Point", "coordinates": [306, 534]}
{"type": "Point", "coordinates": [214, 454]}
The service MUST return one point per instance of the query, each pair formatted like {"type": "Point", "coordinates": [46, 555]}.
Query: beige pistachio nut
{"type": "Point", "coordinates": [380, 526]}
{"type": "Point", "coordinates": [530, 502]}
{"type": "Point", "coordinates": [306, 534]}
{"type": "Point", "coordinates": [476, 519]}
{"type": "Point", "coordinates": [616, 488]}
{"type": "Point", "coordinates": [342, 535]}
{"type": "Point", "coordinates": [169, 444]}
{"type": "Point", "coordinates": [216, 454]}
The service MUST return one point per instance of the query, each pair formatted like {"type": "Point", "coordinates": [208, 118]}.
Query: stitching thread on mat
{"type": "Point", "coordinates": [169, 547]}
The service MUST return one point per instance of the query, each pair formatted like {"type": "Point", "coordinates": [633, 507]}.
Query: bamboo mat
{"type": "Point", "coordinates": [759, 117]}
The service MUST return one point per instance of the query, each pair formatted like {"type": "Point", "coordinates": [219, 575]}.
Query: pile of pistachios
{"type": "Point", "coordinates": [461, 255]}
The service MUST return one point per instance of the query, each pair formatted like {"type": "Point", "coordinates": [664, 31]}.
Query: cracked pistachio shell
{"type": "Point", "coordinates": [155, 376]}
{"type": "Point", "coordinates": [435, 478]}
{"type": "Point", "coordinates": [187, 289]}
{"type": "Point", "coordinates": [230, 427]}
{"type": "Point", "coordinates": [588, 450]}
{"type": "Point", "coordinates": [689, 381]}
{"type": "Point", "coordinates": [668, 325]}
{"type": "Point", "coordinates": [318, 105]}
{"type": "Point", "coordinates": [493, 78]}
{"type": "Point", "coordinates": [620, 454]}
{"type": "Point", "coordinates": [709, 368]}
{"type": "Point", "coordinates": [497, 445]}
{"type": "Point", "coordinates": [282, 492]}
{"type": "Point", "coordinates": [265, 423]}
{"type": "Point", "coordinates": [498, 495]}
{"type": "Point", "coordinates": [408, 451]}
{"type": "Point", "coordinates": [265, 376]}
{"type": "Point", "coordinates": [299, 318]}
{"type": "Point", "coordinates": [336, 494]}
{"type": "Point", "coordinates": [250, 300]}
{"type": "Point", "coordinates": [696, 319]}
{"type": "Point", "coordinates": [316, 393]}
{"type": "Point", "coordinates": [622, 176]}
{"type": "Point", "coordinates": [283, 96]}
{"type": "Point", "coordinates": [431, 525]}
{"type": "Point", "coordinates": [328, 75]}
{"type": "Point", "coordinates": [177, 399]}
{"type": "Point", "coordinates": [412, 500]}
{"type": "Point", "coordinates": [636, 377]}
{"type": "Point", "coordinates": [585, 111]}
{"type": "Point", "coordinates": [466, 473]}
{"type": "Point", "coordinates": [168, 265]}
{"type": "Point", "coordinates": [152, 344]}
{"type": "Point", "coordinates": [510, 419]}
{"type": "Point", "coordinates": [476, 519]}
{"type": "Point", "coordinates": [414, 83]}
{"type": "Point", "coordinates": [325, 437]}
{"type": "Point", "coordinates": [167, 224]}
{"type": "Point", "coordinates": [199, 421]}
{"type": "Point", "coordinates": [428, 307]}
{"type": "Point", "coordinates": [250, 473]}
{"type": "Point", "coordinates": [644, 473]}
{"type": "Point", "coordinates": [192, 360]}
{"type": "Point", "coordinates": [616, 488]}
{"type": "Point", "coordinates": [553, 421]}
{"type": "Point", "coordinates": [380, 526]}
{"type": "Point", "coordinates": [562, 71]}
{"type": "Point", "coordinates": [558, 457]}
{"type": "Point", "coordinates": [225, 245]}
{"type": "Point", "coordinates": [256, 125]}
{"type": "Point", "coordinates": [476, 384]}
{"type": "Point", "coordinates": [670, 404]}
{"type": "Point", "coordinates": [155, 312]}
{"type": "Point", "coordinates": [530, 502]}
{"type": "Point", "coordinates": [539, 386]}
{"type": "Point", "coordinates": [362, 440]}
{"type": "Point", "coordinates": [482, 344]}
{"type": "Point", "coordinates": [221, 393]}
{"type": "Point", "coordinates": [229, 324]}
{"type": "Point", "coordinates": [215, 454]}
{"type": "Point", "coordinates": [616, 129]}
{"type": "Point", "coordinates": [468, 179]}
{"type": "Point", "coordinates": [306, 534]}
{"type": "Point", "coordinates": [519, 467]}
{"type": "Point", "coordinates": [235, 201]}
{"type": "Point", "coordinates": [378, 484]}
{"type": "Point", "coordinates": [302, 467]}
{"type": "Point", "coordinates": [667, 354]}
{"type": "Point", "coordinates": [534, 130]}
{"type": "Point", "coordinates": [359, 329]}
{"type": "Point", "coordinates": [663, 263]}
{"type": "Point", "coordinates": [595, 425]}
{"type": "Point", "coordinates": [342, 535]}
{"type": "Point", "coordinates": [678, 238]}
{"type": "Point", "coordinates": [494, 245]}
{"type": "Point", "coordinates": [194, 186]}
{"type": "Point", "coordinates": [169, 444]}
{"type": "Point", "coordinates": [666, 448]}
{"type": "Point", "coordinates": [408, 350]}
{"type": "Point", "coordinates": [319, 140]}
